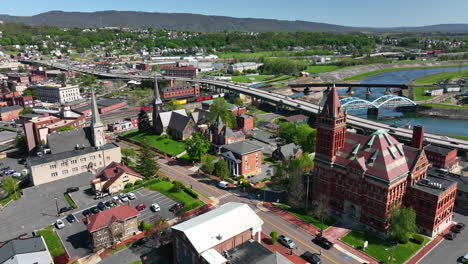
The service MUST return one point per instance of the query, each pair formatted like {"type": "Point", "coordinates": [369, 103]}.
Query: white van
{"type": "Point", "coordinates": [223, 184]}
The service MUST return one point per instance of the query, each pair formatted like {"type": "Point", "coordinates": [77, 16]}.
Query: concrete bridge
{"type": "Point", "coordinates": [361, 124]}
{"type": "Point", "coordinates": [350, 86]}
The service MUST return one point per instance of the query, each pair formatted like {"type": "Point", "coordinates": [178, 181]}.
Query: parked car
{"type": "Point", "coordinates": [115, 199]}
{"type": "Point", "coordinates": [140, 206]}
{"type": "Point", "coordinates": [71, 218]}
{"type": "Point", "coordinates": [465, 259]}
{"type": "Point", "coordinates": [65, 209]}
{"type": "Point", "coordinates": [22, 161]}
{"type": "Point", "coordinates": [155, 207]}
{"type": "Point", "coordinates": [101, 206]}
{"type": "Point", "coordinates": [94, 210]}
{"type": "Point", "coordinates": [16, 175]}
{"type": "Point", "coordinates": [177, 206]}
{"type": "Point", "coordinates": [451, 236]}
{"type": "Point", "coordinates": [140, 242]}
{"type": "Point", "coordinates": [87, 212]}
{"type": "Point", "coordinates": [131, 196]}
{"type": "Point", "coordinates": [101, 195]}
{"type": "Point", "coordinates": [311, 258]}
{"type": "Point", "coordinates": [458, 228]}
{"type": "Point", "coordinates": [109, 204]}
{"type": "Point", "coordinates": [323, 242]}
{"type": "Point", "coordinates": [72, 189]}
{"type": "Point", "coordinates": [123, 197]}
{"type": "Point", "coordinates": [59, 224]}
{"type": "Point", "coordinates": [10, 172]}
{"type": "Point", "coordinates": [286, 241]}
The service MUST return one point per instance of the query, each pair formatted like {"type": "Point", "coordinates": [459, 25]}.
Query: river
{"type": "Point", "coordinates": [432, 124]}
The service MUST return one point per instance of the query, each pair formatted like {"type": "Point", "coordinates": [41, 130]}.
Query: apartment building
{"type": "Point", "coordinates": [58, 94]}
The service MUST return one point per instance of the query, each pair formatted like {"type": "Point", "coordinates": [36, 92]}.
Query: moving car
{"type": "Point", "coordinates": [140, 242]}
{"type": "Point", "coordinates": [311, 258]}
{"type": "Point", "coordinates": [286, 241]}
{"type": "Point", "coordinates": [140, 206]}
{"type": "Point", "coordinates": [458, 228]}
{"type": "Point", "coordinates": [71, 218]}
{"type": "Point", "coordinates": [123, 197]}
{"type": "Point", "coordinates": [177, 206]}
{"type": "Point", "coordinates": [131, 196]}
{"type": "Point", "coordinates": [155, 207]}
{"type": "Point", "coordinates": [223, 184]}
{"type": "Point", "coordinates": [59, 224]}
{"type": "Point", "coordinates": [323, 242]}
{"type": "Point", "coordinates": [72, 189]}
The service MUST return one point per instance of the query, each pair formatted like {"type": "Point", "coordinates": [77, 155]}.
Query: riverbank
{"type": "Point", "coordinates": [448, 113]}
{"type": "Point", "coordinates": [439, 77]}
{"type": "Point", "coordinates": [360, 72]}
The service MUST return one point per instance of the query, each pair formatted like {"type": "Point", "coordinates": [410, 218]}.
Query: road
{"type": "Point", "coordinates": [272, 222]}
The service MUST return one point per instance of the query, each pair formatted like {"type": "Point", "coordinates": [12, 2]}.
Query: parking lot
{"type": "Point", "coordinates": [75, 237]}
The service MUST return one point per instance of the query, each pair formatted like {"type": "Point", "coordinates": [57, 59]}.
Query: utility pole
{"type": "Point", "coordinates": [56, 205]}
{"type": "Point", "coordinates": [307, 194]}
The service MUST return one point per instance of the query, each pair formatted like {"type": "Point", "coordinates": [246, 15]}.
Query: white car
{"type": "Point", "coordinates": [131, 196]}
{"type": "Point", "coordinates": [115, 199]}
{"type": "Point", "coordinates": [155, 207]}
{"type": "Point", "coordinates": [59, 224]}
{"type": "Point", "coordinates": [123, 197]}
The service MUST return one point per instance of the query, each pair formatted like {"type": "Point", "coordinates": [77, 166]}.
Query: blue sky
{"type": "Point", "coordinates": [376, 13]}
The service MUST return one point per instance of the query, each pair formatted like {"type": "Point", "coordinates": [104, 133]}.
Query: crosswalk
{"type": "Point", "coordinates": [224, 196]}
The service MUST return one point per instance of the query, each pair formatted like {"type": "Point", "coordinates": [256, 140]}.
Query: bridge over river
{"type": "Point", "coordinates": [359, 123]}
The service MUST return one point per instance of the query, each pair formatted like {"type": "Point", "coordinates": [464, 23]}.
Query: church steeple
{"type": "Point", "coordinates": [157, 103]}
{"type": "Point", "coordinates": [96, 125]}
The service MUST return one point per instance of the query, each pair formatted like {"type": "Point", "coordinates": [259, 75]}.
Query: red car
{"type": "Point", "coordinates": [140, 207]}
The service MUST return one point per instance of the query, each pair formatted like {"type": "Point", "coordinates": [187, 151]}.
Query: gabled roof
{"type": "Point", "coordinates": [289, 150]}
{"type": "Point", "coordinates": [21, 246]}
{"type": "Point", "coordinates": [230, 156]}
{"type": "Point", "coordinates": [178, 122]}
{"type": "Point", "coordinates": [166, 116]}
{"type": "Point", "coordinates": [107, 217]}
{"type": "Point", "coordinates": [216, 226]}
{"type": "Point", "coordinates": [113, 171]}
{"type": "Point", "coordinates": [242, 147]}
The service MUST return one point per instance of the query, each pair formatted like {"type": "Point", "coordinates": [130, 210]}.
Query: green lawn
{"type": "Point", "coordinates": [250, 55]}
{"type": "Point", "coordinates": [164, 188]}
{"type": "Point", "coordinates": [70, 200]}
{"type": "Point", "coordinates": [367, 74]}
{"type": "Point", "coordinates": [418, 93]}
{"type": "Point", "coordinates": [10, 198]}
{"type": "Point", "coordinates": [52, 241]}
{"type": "Point", "coordinates": [112, 252]}
{"type": "Point", "coordinates": [306, 218]}
{"type": "Point", "coordinates": [279, 78]}
{"type": "Point", "coordinates": [136, 262]}
{"type": "Point", "coordinates": [459, 137]}
{"type": "Point", "coordinates": [446, 106]}
{"type": "Point", "coordinates": [163, 143]}
{"type": "Point", "coordinates": [438, 77]}
{"type": "Point", "coordinates": [381, 249]}
{"type": "Point", "coordinates": [322, 68]}
{"type": "Point", "coordinates": [250, 78]}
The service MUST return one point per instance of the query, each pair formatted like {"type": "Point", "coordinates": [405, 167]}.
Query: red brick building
{"type": "Point", "coordinates": [245, 122]}
{"type": "Point", "coordinates": [10, 112]}
{"type": "Point", "coordinates": [442, 157]}
{"type": "Point", "coordinates": [243, 158]}
{"type": "Point", "coordinates": [174, 92]}
{"type": "Point", "coordinates": [36, 78]}
{"type": "Point", "coordinates": [19, 78]}
{"type": "Point", "coordinates": [363, 177]}
{"type": "Point", "coordinates": [220, 134]}
{"type": "Point", "coordinates": [185, 71]}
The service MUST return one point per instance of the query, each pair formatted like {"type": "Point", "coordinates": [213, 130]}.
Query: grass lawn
{"type": "Point", "coordinates": [279, 78]}
{"type": "Point", "coordinates": [10, 198]}
{"type": "Point", "coordinates": [381, 249]}
{"type": "Point", "coordinates": [164, 187]}
{"type": "Point", "coordinates": [306, 218]}
{"type": "Point", "coordinates": [52, 241]}
{"type": "Point", "coordinates": [112, 252]}
{"type": "Point", "coordinates": [70, 200]}
{"type": "Point", "coordinates": [438, 77]}
{"type": "Point", "coordinates": [459, 137]}
{"type": "Point", "coordinates": [446, 106]}
{"type": "Point", "coordinates": [136, 262]}
{"type": "Point", "coordinates": [163, 143]}
{"type": "Point", "coordinates": [367, 74]}
{"type": "Point", "coordinates": [322, 68]}
{"type": "Point", "coordinates": [269, 160]}
{"type": "Point", "coordinates": [250, 78]}
{"type": "Point", "coordinates": [418, 93]}
{"type": "Point", "coordinates": [239, 55]}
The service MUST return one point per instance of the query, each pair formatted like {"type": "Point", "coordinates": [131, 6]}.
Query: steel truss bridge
{"type": "Point", "coordinates": [385, 101]}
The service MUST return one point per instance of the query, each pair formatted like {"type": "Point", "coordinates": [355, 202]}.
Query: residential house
{"type": "Point", "coordinates": [243, 158]}
{"type": "Point", "coordinates": [110, 227]}
{"type": "Point", "coordinates": [205, 238]}
{"type": "Point", "coordinates": [114, 177]}
{"type": "Point", "coordinates": [288, 151]}
{"type": "Point", "coordinates": [32, 250]}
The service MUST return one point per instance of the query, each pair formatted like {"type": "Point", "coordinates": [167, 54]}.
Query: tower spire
{"type": "Point", "coordinates": [157, 103]}
{"type": "Point", "coordinates": [332, 106]}
{"type": "Point", "coordinates": [96, 120]}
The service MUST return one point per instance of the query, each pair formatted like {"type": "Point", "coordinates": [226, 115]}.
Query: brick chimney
{"type": "Point", "coordinates": [418, 137]}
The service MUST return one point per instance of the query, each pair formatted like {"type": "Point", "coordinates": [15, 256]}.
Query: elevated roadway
{"type": "Point", "coordinates": [278, 99]}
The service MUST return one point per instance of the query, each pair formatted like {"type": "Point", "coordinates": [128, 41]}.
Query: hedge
{"type": "Point", "coordinates": [191, 192]}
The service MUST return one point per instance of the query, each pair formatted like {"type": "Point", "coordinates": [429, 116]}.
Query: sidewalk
{"type": "Point", "coordinates": [282, 250]}
{"type": "Point", "coordinates": [291, 218]}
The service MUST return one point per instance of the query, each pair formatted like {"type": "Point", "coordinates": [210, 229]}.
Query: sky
{"type": "Point", "coordinates": [372, 13]}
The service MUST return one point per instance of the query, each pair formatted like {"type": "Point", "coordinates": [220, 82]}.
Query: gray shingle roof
{"type": "Point", "coordinates": [6, 109]}
{"type": "Point", "coordinates": [242, 147]}
{"type": "Point", "coordinates": [21, 246]}
{"type": "Point", "coordinates": [178, 122]}
{"type": "Point", "coordinates": [289, 150]}
{"type": "Point", "coordinates": [437, 149]}
{"type": "Point", "coordinates": [67, 140]}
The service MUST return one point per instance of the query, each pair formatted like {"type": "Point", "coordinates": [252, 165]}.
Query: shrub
{"type": "Point", "coordinates": [128, 185]}
{"type": "Point", "coordinates": [418, 239]}
{"type": "Point", "coordinates": [166, 179]}
{"type": "Point", "coordinates": [244, 183]}
{"type": "Point", "coordinates": [144, 226]}
{"type": "Point", "coordinates": [404, 240]}
{"type": "Point", "coordinates": [191, 193]}
{"type": "Point", "coordinates": [238, 178]}
{"type": "Point", "coordinates": [177, 186]}
{"type": "Point", "coordinates": [138, 182]}
{"type": "Point", "coordinates": [208, 167]}
{"type": "Point", "coordinates": [274, 237]}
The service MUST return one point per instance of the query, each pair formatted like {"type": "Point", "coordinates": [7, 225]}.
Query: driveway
{"type": "Point", "coordinates": [75, 236]}
{"type": "Point", "coordinates": [37, 207]}
{"type": "Point", "coordinates": [450, 251]}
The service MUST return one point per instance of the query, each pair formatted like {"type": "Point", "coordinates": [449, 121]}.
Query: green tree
{"type": "Point", "coordinates": [274, 236]}
{"type": "Point", "coordinates": [197, 146]}
{"type": "Point", "coordinates": [66, 128]}
{"type": "Point", "coordinates": [146, 165]}
{"type": "Point", "coordinates": [220, 107]}
{"type": "Point", "coordinates": [402, 222]}
{"type": "Point", "coordinates": [208, 167]}
{"type": "Point", "coordinates": [221, 169]}
{"type": "Point", "coordinates": [177, 186]}
{"type": "Point", "coordinates": [128, 154]}
{"type": "Point", "coordinates": [10, 185]}
{"type": "Point", "coordinates": [143, 121]}
{"type": "Point", "coordinates": [20, 143]}
{"type": "Point", "coordinates": [302, 135]}
{"type": "Point", "coordinates": [26, 110]}
{"type": "Point", "coordinates": [32, 92]}
{"type": "Point", "coordinates": [238, 101]}
{"type": "Point", "coordinates": [62, 78]}
{"type": "Point", "coordinates": [172, 105]}
{"type": "Point", "coordinates": [156, 68]}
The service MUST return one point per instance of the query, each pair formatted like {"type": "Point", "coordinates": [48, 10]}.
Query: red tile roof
{"type": "Point", "coordinates": [105, 218]}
